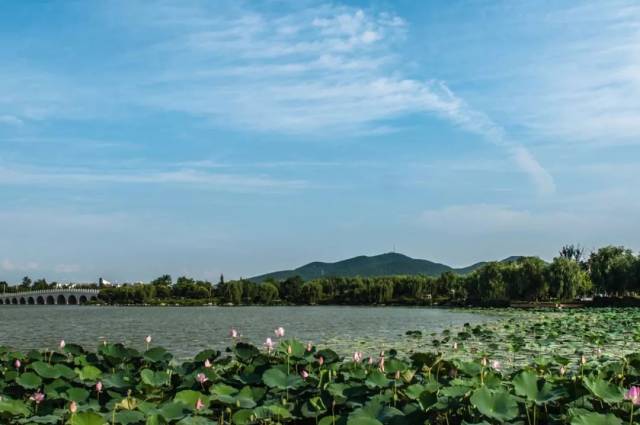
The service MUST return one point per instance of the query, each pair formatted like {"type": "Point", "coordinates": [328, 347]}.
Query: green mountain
{"type": "Point", "coordinates": [377, 265]}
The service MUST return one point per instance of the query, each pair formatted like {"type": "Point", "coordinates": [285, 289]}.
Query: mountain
{"type": "Point", "coordinates": [377, 265]}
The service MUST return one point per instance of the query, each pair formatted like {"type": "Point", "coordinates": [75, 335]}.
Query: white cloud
{"type": "Point", "coordinates": [10, 266]}
{"type": "Point", "coordinates": [316, 71]}
{"type": "Point", "coordinates": [593, 220]}
{"type": "Point", "coordinates": [67, 268]}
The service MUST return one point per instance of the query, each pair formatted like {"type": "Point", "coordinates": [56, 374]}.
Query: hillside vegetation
{"type": "Point", "coordinates": [389, 264]}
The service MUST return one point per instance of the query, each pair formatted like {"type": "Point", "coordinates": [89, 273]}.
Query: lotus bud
{"type": "Point", "coordinates": [320, 360]}
{"type": "Point", "coordinates": [495, 365]}
{"type": "Point", "coordinates": [17, 364]}
{"type": "Point", "coordinates": [62, 344]}
{"type": "Point", "coordinates": [562, 370]}
{"type": "Point", "coordinates": [233, 333]}
{"type": "Point", "coordinates": [289, 350]}
{"type": "Point", "coordinates": [483, 362]}
{"type": "Point", "coordinates": [99, 386]}
{"type": "Point", "coordinates": [199, 405]}
{"type": "Point", "coordinates": [73, 407]}
{"type": "Point", "coordinates": [207, 364]}
{"type": "Point", "coordinates": [279, 332]}
{"type": "Point", "coordinates": [397, 375]}
{"type": "Point", "coordinates": [268, 344]}
{"type": "Point", "coordinates": [309, 347]}
{"type": "Point", "coordinates": [38, 397]}
{"type": "Point", "coordinates": [304, 374]}
{"type": "Point", "coordinates": [633, 395]}
{"type": "Point", "coordinates": [148, 339]}
{"type": "Point", "coordinates": [455, 346]}
{"type": "Point", "coordinates": [201, 378]}
{"type": "Point", "coordinates": [583, 360]}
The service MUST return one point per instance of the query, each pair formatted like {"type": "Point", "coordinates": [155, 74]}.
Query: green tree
{"type": "Point", "coordinates": [567, 279]}
{"type": "Point", "coordinates": [612, 269]}
{"type": "Point", "coordinates": [164, 280]}
{"type": "Point", "coordinates": [267, 293]}
{"type": "Point", "coordinates": [40, 284]}
{"type": "Point", "coordinates": [26, 284]}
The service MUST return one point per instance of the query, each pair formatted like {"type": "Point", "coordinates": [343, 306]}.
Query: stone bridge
{"type": "Point", "coordinates": [50, 296]}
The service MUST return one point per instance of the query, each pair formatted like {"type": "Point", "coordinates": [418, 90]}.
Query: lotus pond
{"type": "Point", "coordinates": [529, 367]}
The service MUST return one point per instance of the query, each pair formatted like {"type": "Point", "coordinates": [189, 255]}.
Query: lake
{"type": "Point", "coordinates": [187, 330]}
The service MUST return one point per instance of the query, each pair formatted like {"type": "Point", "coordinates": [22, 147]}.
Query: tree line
{"type": "Point", "coordinates": [610, 271]}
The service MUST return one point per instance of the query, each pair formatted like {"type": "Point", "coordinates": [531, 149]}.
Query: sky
{"type": "Point", "coordinates": [206, 137]}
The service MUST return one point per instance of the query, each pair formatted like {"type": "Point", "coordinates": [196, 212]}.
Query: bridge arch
{"type": "Point", "coordinates": [14, 301]}
{"type": "Point", "coordinates": [23, 300]}
{"type": "Point", "coordinates": [83, 299]}
{"type": "Point", "coordinates": [31, 301]}
{"type": "Point", "coordinates": [61, 299]}
{"type": "Point", "coordinates": [72, 299]}
{"type": "Point", "coordinates": [40, 300]}
{"type": "Point", "coordinates": [50, 300]}
{"type": "Point", "coordinates": [1, 300]}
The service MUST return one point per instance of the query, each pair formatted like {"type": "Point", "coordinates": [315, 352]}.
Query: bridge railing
{"type": "Point", "coordinates": [50, 291]}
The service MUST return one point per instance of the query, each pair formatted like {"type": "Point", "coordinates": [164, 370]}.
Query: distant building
{"type": "Point", "coordinates": [104, 282]}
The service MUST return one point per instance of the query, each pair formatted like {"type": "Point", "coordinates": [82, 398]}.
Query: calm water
{"type": "Point", "coordinates": [188, 330]}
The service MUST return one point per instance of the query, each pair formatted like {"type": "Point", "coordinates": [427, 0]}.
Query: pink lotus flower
{"type": "Point", "coordinates": [17, 364]}
{"type": "Point", "coordinates": [279, 332]}
{"type": "Point", "coordinates": [207, 364]}
{"type": "Point", "coordinates": [495, 365]}
{"type": "Point", "coordinates": [357, 356]}
{"type": "Point", "coordinates": [304, 374]}
{"type": "Point", "coordinates": [633, 395]}
{"type": "Point", "coordinates": [73, 407]}
{"type": "Point", "coordinates": [201, 378]}
{"type": "Point", "coordinates": [199, 405]}
{"type": "Point", "coordinates": [62, 344]}
{"type": "Point", "coordinates": [38, 397]}
{"type": "Point", "coordinates": [233, 333]}
{"type": "Point", "coordinates": [99, 386]}
{"type": "Point", "coordinates": [320, 360]}
{"type": "Point", "coordinates": [309, 347]}
{"type": "Point", "coordinates": [148, 339]}
{"type": "Point", "coordinates": [268, 344]}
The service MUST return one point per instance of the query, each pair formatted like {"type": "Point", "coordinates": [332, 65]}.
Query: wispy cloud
{"type": "Point", "coordinates": [10, 266]}
{"type": "Point", "coordinates": [579, 82]}
{"type": "Point", "coordinates": [227, 182]}
{"type": "Point", "coordinates": [67, 268]}
{"type": "Point", "coordinates": [11, 120]}
{"type": "Point", "coordinates": [326, 70]}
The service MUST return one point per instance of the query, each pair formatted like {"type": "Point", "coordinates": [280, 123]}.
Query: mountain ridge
{"type": "Point", "coordinates": [386, 264]}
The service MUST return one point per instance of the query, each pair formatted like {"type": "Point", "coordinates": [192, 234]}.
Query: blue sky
{"type": "Point", "coordinates": [201, 138]}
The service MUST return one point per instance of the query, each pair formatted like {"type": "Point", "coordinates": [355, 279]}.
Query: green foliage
{"type": "Point", "coordinates": [254, 386]}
